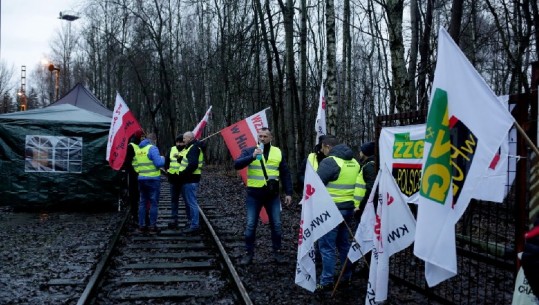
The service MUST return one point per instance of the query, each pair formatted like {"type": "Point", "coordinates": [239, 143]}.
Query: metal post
{"type": "Point", "coordinates": [57, 84]}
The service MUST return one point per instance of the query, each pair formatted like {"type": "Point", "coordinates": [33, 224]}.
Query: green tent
{"type": "Point", "coordinates": [54, 157]}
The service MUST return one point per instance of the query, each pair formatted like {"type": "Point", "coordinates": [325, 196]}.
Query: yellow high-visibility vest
{"type": "Point", "coordinates": [255, 175]}
{"type": "Point", "coordinates": [174, 166]}
{"type": "Point", "coordinates": [185, 162]}
{"type": "Point", "coordinates": [311, 158]}
{"type": "Point", "coordinates": [144, 166]}
{"type": "Point", "coordinates": [342, 189]}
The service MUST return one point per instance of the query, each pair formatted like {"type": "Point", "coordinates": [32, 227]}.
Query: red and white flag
{"type": "Point", "coordinates": [200, 127]}
{"type": "Point", "coordinates": [122, 127]}
{"type": "Point", "coordinates": [320, 124]}
{"type": "Point", "coordinates": [319, 215]}
{"type": "Point", "coordinates": [244, 134]}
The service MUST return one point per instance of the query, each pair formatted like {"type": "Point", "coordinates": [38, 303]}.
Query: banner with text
{"type": "Point", "coordinates": [401, 149]}
{"type": "Point", "coordinates": [319, 215]}
{"type": "Point", "coordinates": [244, 134]}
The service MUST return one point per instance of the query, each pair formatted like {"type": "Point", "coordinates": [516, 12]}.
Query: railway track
{"type": "Point", "coordinates": [170, 267]}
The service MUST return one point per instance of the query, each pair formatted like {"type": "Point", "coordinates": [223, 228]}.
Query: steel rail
{"type": "Point", "coordinates": [229, 264]}
{"type": "Point", "coordinates": [101, 266]}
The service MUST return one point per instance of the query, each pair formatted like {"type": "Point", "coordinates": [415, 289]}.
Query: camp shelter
{"type": "Point", "coordinates": [54, 157]}
{"type": "Point", "coordinates": [81, 97]}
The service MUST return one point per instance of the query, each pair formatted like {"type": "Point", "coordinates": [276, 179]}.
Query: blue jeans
{"type": "Point", "coordinates": [256, 199]}
{"type": "Point", "coordinates": [149, 191]}
{"type": "Point", "coordinates": [336, 239]}
{"type": "Point", "coordinates": [189, 193]}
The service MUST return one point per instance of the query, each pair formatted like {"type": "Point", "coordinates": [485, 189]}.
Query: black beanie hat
{"type": "Point", "coordinates": [368, 149]}
{"type": "Point", "coordinates": [179, 138]}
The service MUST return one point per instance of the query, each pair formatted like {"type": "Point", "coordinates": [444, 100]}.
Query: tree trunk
{"type": "Point", "coordinates": [456, 20]}
{"type": "Point", "coordinates": [399, 92]}
{"type": "Point", "coordinates": [331, 82]}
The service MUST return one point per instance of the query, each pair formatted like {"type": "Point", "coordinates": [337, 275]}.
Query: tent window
{"type": "Point", "coordinates": [53, 154]}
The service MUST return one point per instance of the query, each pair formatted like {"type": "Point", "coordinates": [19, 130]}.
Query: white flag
{"type": "Point", "coordinates": [320, 124]}
{"type": "Point", "coordinates": [466, 125]}
{"type": "Point", "coordinates": [319, 215]}
{"type": "Point", "coordinates": [394, 231]}
{"type": "Point", "coordinates": [363, 239]}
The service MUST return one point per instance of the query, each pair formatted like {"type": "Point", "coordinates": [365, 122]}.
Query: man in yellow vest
{"type": "Point", "coordinates": [314, 158]}
{"type": "Point", "coordinates": [147, 164]}
{"type": "Point", "coordinates": [189, 172]}
{"type": "Point", "coordinates": [132, 175]}
{"type": "Point", "coordinates": [338, 172]}
{"type": "Point", "coordinates": [172, 166]}
{"type": "Point", "coordinates": [261, 192]}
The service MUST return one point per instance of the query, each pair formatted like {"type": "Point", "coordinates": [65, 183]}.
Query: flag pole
{"type": "Point", "coordinates": [210, 136]}
{"type": "Point", "coordinates": [347, 260]}
{"type": "Point", "coordinates": [528, 140]}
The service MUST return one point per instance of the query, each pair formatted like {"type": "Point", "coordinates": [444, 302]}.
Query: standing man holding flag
{"type": "Point", "coordinates": [132, 175]}
{"type": "Point", "coordinates": [124, 134]}
{"type": "Point", "coordinates": [266, 165]}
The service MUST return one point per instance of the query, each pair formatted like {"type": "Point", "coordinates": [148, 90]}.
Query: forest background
{"type": "Point", "coordinates": [171, 59]}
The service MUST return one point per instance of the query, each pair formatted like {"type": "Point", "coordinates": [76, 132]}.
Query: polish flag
{"type": "Point", "coordinates": [320, 124]}
{"type": "Point", "coordinates": [244, 134]}
{"type": "Point", "coordinates": [200, 127]}
{"type": "Point", "coordinates": [122, 127]}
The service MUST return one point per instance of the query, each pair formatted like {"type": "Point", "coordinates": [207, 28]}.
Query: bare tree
{"type": "Point", "coordinates": [6, 78]}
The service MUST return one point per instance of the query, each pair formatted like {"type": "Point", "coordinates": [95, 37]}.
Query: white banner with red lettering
{"type": "Point", "coordinates": [394, 230]}
{"type": "Point", "coordinates": [319, 215]}
{"type": "Point", "coordinates": [122, 127]}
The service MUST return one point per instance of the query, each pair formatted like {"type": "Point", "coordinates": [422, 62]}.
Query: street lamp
{"type": "Point", "coordinates": [57, 79]}
{"type": "Point", "coordinates": [68, 16]}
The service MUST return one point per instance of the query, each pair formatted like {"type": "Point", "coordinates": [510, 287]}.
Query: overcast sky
{"type": "Point", "coordinates": [27, 28]}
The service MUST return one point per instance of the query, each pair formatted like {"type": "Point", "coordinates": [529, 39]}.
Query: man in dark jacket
{"type": "Point", "coordinates": [338, 172]}
{"type": "Point", "coordinates": [368, 176]}
{"type": "Point", "coordinates": [173, 160]}
{"type": "Point", "coordinates": [258, 159]}
{"type": "Point", "coordinates": [132, 175]}
{"type": "Point", "coordinates": [189, 173]}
